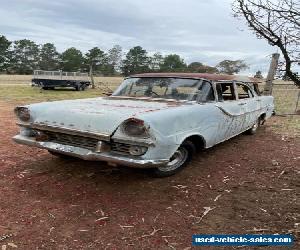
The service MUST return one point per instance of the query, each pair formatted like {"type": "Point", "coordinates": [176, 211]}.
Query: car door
{"type": "Point", "coordinates": [249, 103]}
{"type": "Point", "coordinates": [231, 110]}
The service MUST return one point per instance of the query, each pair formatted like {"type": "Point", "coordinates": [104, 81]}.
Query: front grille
{"type": "Point", "coordinates": [84, 142]}
{"type": "Point", "coordinates": [121, 148]}
{"type": "Point", "coordinates": [72, 140]}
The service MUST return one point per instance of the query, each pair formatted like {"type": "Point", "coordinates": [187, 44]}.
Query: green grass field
{"type": "Point", "coordinates": [17, 88]}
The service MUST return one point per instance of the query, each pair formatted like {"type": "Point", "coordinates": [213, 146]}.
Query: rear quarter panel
{"type": "Point", "coordinates": [267, 105]}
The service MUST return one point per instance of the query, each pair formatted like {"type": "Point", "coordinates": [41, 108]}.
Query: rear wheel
{"type": "Point", "coordinates": [83, 87]}
{"type": "Point", "coordinates": [254, 128]}
{"type": "Point", "coordinates": [178, 161]}
{"type": "Point", "coordinates": [80, 88]}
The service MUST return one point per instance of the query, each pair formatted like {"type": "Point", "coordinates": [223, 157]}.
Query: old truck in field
{"type": "Point", "coordinates": [49, 80]}
{"type": "Point", "coordinates": [154, 120]}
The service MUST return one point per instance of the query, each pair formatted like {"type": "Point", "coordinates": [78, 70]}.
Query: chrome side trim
{"type": "Point", "coordinates": [86, 154]}
{"type": "Point", "coordinates": [133, 141]}
{"type": "Point", "coordinates": [231, 115]}
{"type": "Point", "coordinates": [46, 127]}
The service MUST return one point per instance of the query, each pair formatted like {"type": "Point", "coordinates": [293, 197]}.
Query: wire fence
{"type": "Point", "coordinates": [286, 98]}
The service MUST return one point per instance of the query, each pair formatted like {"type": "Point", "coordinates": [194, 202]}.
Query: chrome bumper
{"type": "Point", "coordinates": [89, 155]}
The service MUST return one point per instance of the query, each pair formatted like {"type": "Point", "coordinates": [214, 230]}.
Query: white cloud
{"type": "Point", "coordinates": [198, 30]}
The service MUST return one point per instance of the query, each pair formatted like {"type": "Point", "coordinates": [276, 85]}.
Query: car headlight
{"type": "Point", "coordinates": [135, 127]}
{"type": "Point", "coordinates": [28, 132]}
{"type": "Point", "coordinates": [22, 113]}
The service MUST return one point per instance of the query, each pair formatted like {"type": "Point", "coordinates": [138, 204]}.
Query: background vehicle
{"type": "Point", "coordinates": [53, 79]}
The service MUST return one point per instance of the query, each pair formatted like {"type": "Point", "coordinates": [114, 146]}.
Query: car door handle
{"type": "Point", "coordinates": [242, 103]}
{"type": "Point", "coordinates": [258, 100]}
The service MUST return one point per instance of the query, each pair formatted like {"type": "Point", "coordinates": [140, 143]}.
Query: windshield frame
{"type": "Point", "coordinates": [117, 94]}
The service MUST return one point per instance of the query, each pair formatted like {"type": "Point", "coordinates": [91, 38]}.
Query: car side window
{"type": "Point", "coordinates": [243, 91]}
{"type": "Point", "coordinates": [225, 91]}
{"type": "Point", "coordinates": [206, 92]}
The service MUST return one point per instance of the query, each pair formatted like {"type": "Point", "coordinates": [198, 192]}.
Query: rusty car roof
{"type": "Point", "coordinates": [211, 77]}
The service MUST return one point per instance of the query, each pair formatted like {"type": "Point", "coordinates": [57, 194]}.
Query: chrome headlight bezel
{"type": "Point", "coordinates": [23, 114]}
{"type": "Point", "coordinates": [134, 127]}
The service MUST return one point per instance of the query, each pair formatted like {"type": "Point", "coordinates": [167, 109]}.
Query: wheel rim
{"type": "Point", "coordinates": [176, 161]}
{"type": "Point", "coordinates": [255, 126]}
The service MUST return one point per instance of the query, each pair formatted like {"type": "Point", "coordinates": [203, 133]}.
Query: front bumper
{"type": "Point", "coordinates": [89, 155]}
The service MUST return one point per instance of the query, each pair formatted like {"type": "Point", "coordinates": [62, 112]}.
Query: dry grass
{"type": "Point", "coordinates": [26, 94]}
{"type": "Point", "coordinates": [286, 125]}
{"type": "Point", "coordinates": [15, 79]}
{"type": "Point", "coordinates": [286, 95]}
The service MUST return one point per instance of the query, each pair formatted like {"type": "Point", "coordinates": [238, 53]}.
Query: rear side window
{"type": "Point", "coordinates": [256, 89]}
{"type": "Point", "coordinates": [243, 91]}
{"type": "Point", "coordinates": [225, 91]}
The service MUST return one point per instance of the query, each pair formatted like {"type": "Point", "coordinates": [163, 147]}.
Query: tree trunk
{"type": "Point", "coordinates": [271, 74]}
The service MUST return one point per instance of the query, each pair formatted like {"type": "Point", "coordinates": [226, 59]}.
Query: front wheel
{"type": "Point", "coordinates": [178, 161]}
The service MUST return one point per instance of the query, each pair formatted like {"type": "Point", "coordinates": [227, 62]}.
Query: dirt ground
{"type": "Point", "coordinates": [249, 184]}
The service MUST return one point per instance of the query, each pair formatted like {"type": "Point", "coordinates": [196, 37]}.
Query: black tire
{"type": "Point", "coordinates": [183, 156]}
{"type": "Point", "coordinates": [80, 88]}
{"type": "Point", "coordinates": [253, 129]}
{"type": "Point", "coordinates": [83, 87]}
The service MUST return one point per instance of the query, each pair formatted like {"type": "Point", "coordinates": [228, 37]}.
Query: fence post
{"type": "Point", "coordinates": [271, 74]}
{"type": "Point", "coordinates": [297, 103]}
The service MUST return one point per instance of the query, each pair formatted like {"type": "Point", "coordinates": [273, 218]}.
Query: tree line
{"type": "Point", "coordinates": [24, 56]}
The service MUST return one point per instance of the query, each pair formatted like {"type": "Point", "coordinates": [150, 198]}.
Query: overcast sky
{"type": "Point", "coordinates": [198, 30]}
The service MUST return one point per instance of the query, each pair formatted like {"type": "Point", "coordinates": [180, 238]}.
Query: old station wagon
{"type": "Point", "coordinates": [153, 120]}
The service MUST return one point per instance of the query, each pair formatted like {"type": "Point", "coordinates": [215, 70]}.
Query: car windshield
{"type": "Point", "coordinates": [165, 88]}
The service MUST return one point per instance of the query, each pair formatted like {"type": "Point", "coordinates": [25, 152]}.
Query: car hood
{"type": "Point", "coordinates": [94, 115]}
